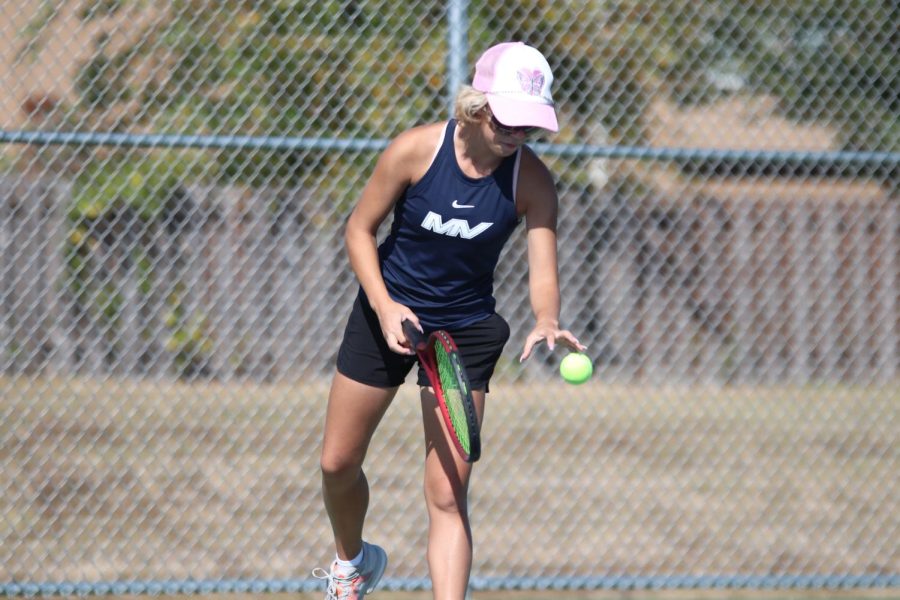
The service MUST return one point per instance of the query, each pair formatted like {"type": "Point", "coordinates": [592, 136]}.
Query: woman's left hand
{"type": "Point", "coordinates": [552, 334]}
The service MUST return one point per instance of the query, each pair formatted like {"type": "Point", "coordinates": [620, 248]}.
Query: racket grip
{"type": "Point", "coordinates": [414, 336]}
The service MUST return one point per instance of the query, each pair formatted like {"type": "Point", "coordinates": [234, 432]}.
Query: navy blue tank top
{"type": "Point", "coordinates": [446, 238]}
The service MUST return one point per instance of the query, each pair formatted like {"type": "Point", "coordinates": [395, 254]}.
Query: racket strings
{"type": "Point", "coordinates": [453, 395]}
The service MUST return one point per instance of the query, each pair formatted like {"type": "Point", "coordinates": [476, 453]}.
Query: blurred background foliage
{"type": "Point", "coordinates": [366, 69]}
{"type": "Point", "coordinates": [264, 68]}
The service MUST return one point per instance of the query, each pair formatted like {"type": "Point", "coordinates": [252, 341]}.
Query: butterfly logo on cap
{"type": "Point", "coordinates": [531, 81]}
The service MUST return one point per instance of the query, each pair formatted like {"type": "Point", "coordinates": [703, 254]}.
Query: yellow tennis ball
{"type": "Point", "coordinates": [576, 368]}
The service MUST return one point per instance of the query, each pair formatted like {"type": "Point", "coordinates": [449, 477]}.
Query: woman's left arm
{"type": "Point", "coordinates": [539, 199]}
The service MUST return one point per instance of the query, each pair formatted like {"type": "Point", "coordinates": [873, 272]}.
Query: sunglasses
{"type": "Point", "coordinates": [507, 130]}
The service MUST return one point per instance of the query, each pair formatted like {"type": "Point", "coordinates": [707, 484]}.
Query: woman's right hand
{"type": "Point", "coordinates": [391, 316]}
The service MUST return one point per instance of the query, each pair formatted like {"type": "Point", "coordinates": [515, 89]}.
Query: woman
{"type": "Point", "coordinates": [457, 189]}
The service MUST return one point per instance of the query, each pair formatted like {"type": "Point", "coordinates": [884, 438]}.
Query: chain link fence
{"type": "Point", "coordinates": [173, 182]}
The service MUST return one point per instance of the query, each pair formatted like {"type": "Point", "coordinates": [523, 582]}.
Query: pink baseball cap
{"type": "Point", "coordinates": [516, 79]}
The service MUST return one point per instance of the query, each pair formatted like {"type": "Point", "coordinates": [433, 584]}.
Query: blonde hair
{"type": "Point", "coordinates": [470, 105]}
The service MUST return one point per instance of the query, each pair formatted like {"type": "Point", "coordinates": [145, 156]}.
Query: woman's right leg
{"type": "Point", "coordinates": [354, 411]}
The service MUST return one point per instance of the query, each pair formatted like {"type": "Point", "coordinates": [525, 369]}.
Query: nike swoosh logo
{"type": "Point", "coordinates": [456, 204]}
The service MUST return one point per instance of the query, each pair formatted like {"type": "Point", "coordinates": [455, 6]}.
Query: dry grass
{"type": "Point", "coordinates": [111, 480]}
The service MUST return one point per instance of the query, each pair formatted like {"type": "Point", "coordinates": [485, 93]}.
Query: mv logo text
{"type": "Point", "coordinates": [454, 227]}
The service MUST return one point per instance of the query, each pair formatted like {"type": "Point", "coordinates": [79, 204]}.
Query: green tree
{"type": "Point", "coordinates": [835, 62]}
{"type": "Point", "coordinates": [367, 69]}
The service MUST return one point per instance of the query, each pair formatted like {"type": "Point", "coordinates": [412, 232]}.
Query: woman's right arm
{"type": "Point", "coordinates": [399, 166]}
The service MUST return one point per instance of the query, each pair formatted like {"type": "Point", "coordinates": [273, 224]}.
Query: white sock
{"type": "Point", "coordinates": [349, 565]}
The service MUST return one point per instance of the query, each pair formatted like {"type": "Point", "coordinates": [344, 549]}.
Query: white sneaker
{"type": "Point", "coordinates": [355, 584]}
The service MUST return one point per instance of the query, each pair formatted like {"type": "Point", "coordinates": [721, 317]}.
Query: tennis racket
{"type": "Point", "coordinates": [440, 358]}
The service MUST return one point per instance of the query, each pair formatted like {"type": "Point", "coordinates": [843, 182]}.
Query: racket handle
{"type": "Point", "coordinates": [414, 336]}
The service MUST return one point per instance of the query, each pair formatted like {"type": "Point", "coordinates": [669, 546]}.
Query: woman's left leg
{"type": "Point", "coordinates": [446, 493]}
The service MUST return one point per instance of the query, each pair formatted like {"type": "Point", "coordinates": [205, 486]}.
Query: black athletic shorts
{"type": "Point", "coordinates": [364, 355]}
